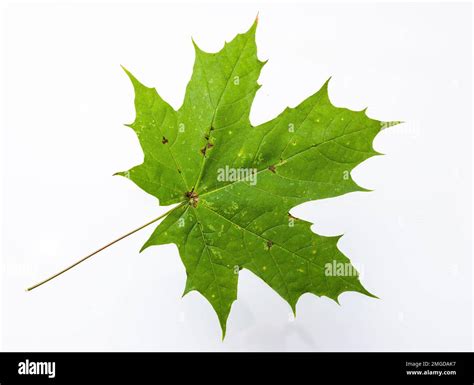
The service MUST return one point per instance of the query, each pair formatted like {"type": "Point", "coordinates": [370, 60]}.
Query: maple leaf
{"type": "Point", "coordinates": [236, 183]}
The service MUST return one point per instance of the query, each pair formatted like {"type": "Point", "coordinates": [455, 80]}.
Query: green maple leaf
{"type": "Point", "coordinates": [225, 223]}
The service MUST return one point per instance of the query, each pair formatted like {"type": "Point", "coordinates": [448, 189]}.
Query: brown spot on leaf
{"type": "Point", "coordinates": [269, 244]}
{"type": "Point", "coordinates": [272, 168]}
{"type": "Point", "coordinates": [193, 198]}
{"type": "Point", "coordinates": [164, 141]}
{"type": "Point", "coordinates": [206, 147]}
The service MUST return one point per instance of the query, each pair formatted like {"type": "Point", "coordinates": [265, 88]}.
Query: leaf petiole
{"type": "Point", "coordinates": [103, 248]}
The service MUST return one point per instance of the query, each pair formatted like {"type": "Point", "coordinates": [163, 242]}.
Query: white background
{"type": "Point", "coordinates": [65, 98]}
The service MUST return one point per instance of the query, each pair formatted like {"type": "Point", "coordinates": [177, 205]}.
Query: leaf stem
{"type": "Point", "coordinates": [103, 248]}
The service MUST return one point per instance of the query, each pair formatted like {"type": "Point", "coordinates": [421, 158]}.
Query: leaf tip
{"type": "Point", "coordinates": [144, 247]}
{"type": "Point", "coordinates": [385, 125]}
{"type": "Point", "coordinates": [125, 174]}
{"type": "Point", "coordinates": [132, 78]}
{"type": "Point", "coordinates": [223, 334]}
{"type": "Point", "coordinates": [367, 293]}
{"type": "Point", "coordinates": [129, 74]}
{"type": "Point", "coordinates": [188, 287]}
{"type": "Point", "coordinates": [196, 47]}
{"type": "Point", "coordinates": [223, 325]}
{"type": "Point", "coordinates": [253, 27]}
{"type": "Point", "coordinates": [337, 237]}
{"type": "Point", "coordinates": [325, 88]}
{"type": "Point", "coordinates": [363, 189]}
{"type": "Point", "coordinates": [377, 153]}
{"type": "Point", "coordinates": [293, 309]}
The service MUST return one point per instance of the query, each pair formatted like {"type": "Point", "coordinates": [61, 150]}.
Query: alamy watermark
{"type": "Point", "coordinates": [231, 174]}
{"type": "Point", "coordinates": [342, 269]}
